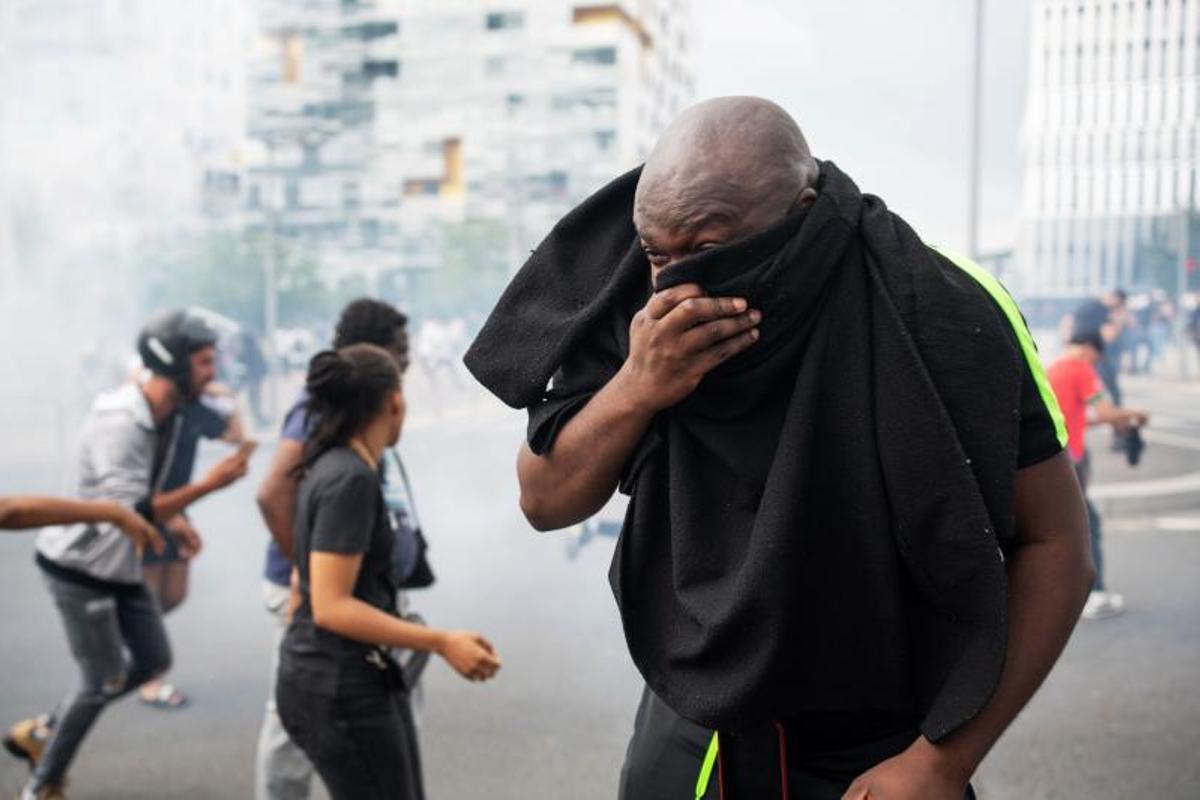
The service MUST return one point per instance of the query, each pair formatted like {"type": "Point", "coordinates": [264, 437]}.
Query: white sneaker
{"type": "Point", "coordinates": [1102, 605]}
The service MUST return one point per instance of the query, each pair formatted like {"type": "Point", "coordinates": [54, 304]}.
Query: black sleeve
{"type": "Point", "coordinates": [1039, 410]}
{"type": "Point", "coordinates": [345, 515]}
{"type": "Point", "coordinates": [567, 395]}
{"type": "Point", "coordinates": [550, 416]}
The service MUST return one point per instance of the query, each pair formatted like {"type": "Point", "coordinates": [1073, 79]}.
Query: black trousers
{"type": "Point", "coordinates": [752, 765]}
{"type": "Point", "coordinates": [361, 740]}
{"type": "Point", "coordinates": [666, 752]}
{"type": "Point", "coordinates": [664, 755]}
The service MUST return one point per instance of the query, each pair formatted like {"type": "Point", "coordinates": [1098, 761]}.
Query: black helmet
{"type": "Point", "coordinates": [167, 342]}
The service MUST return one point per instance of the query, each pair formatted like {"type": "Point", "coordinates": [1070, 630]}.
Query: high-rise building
{"type": "Point", "coordinates": [1110, 140]}
{"type": "Point", "coordinates": [313, 75]}
{"type": "Point", "coordinates": [443, 111]}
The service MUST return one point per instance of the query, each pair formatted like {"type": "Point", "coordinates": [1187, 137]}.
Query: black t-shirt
{"type": "Point", "coordinates": [340, 509]}
{"type": "Point", "coordinates": [1039, 434]}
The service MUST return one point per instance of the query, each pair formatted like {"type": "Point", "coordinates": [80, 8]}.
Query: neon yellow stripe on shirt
{"type": "Point", "coordinates": [706, 769]}
{"type": "Point", "coordinates": [1009, 307]}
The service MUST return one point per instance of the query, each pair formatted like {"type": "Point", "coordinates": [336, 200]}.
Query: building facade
{"type": "Point", "coordinates": [1110, 141]}
{"type": "Point", "coordinates": [378, 123]}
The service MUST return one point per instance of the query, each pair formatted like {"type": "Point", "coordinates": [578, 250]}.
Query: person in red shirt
{"type": "Point", "coordinates": [1081, 396]}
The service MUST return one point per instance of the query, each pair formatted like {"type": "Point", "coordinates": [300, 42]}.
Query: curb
{"type": "Point", "coordinates": [1133, 498]}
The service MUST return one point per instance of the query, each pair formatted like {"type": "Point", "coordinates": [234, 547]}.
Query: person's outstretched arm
{"type": "Point", "coordinates": [335, 608]}
{"type": "Point", "coordinates": [678, 338]}
{"type": "Point", "coordinates": [1104, 412]}
{"type": "Point", "coordinates": [1049, 574]}
{"type": "Point", "coordinates": [165, 505]}
{"type": "Point", "coordinates": [33, 511]}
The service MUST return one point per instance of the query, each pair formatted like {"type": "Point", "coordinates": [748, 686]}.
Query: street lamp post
{"type": "Point", "coordinates": [976, 135]}
{"type": "Point", "coordinates": [271, 311]}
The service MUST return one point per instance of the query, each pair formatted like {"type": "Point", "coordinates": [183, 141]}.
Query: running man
{"type": "Point", "coordinates": [94, 571]}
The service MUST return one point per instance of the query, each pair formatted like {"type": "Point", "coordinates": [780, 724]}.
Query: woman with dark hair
{"type": "Point", "coordinates": [340, 692]}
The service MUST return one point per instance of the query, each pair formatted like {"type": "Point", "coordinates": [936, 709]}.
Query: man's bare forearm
{"type": "Point", "coordinates": [277, 493]}
{"type": "Point", "coordinates": [33, 511]}
{"type": "Point", "coordinates": [167, 504]}
{"type": "Point", "coordinates": [277, 514]}
{"type": "Point", "coordinates": [581, 471]}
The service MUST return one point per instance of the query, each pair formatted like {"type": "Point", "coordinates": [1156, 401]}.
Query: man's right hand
{"type": "Point", "coordinates": [225, 471]}
{"type": "Point", "coordinates": [679, 337]}
{"type": "Point", "coordinates": [137, 528]}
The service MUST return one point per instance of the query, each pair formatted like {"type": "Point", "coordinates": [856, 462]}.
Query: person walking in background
{"type": "Point", "coordinates": [253, 372]}
{"type": "Point", "coordinates": [1108, 317]}
{"type": "Point", "coordinates": [341, 693]}
{"type": "Point", "coordinates": [213, 416]}
{"type": "Point", "coordinates": [94, 571]}
{"type": "Point", "coordinates": [282, 772]}
{"type": "Point", "coordinates": [1162, 319]}
{"type": "Point", "coordinates": [1081, 396]}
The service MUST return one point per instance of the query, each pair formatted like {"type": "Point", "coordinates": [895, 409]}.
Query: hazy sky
{"type": "Point", "coordinates": [883, 88]}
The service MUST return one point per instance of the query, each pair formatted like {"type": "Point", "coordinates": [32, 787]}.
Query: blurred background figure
{"type": "Point", "coordinates": [1082, 398]}
{"type": "Point", "coordinates": [212, 416]}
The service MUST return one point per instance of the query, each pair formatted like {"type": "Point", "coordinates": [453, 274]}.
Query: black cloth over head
{"type": "Point", "coordinates": [817, 532]}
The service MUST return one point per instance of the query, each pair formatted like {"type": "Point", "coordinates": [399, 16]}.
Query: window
{"type": "Point", "coordinates": [369, 71]}
{"type": "Point", "coordinates": [605, 139]}
{"type": "Point", "coordinates": [595, 55]}
{"type": "Point", "coordinates": [593, 98]}
{"type": "Point", "coordinates": [350, 197]}
{"type": "Point", "coordinates": [371, 30]}
{"type": "Point", "coordinates": [381, 69]}
{"type": "Point", "coordinates": [504, 20]}
{"type": "Point", "coordinates": [420, 187]}
{"type": "Point", "coordinates": [291, 193]}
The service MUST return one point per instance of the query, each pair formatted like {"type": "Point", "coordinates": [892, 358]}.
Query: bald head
{"type": "Point", "coordinates": [724, 169]}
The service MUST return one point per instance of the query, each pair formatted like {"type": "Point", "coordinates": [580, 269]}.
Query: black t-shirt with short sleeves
{"type": "Point", "coordinates": [340, 509]}
{"type": "Point", "coordinates": [1039, 435]}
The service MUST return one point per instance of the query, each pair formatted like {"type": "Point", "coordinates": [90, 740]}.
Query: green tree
{"type": "Point", "coordinates": [470, 273]}
{"type": "Point", "coordinates": [224, 270]}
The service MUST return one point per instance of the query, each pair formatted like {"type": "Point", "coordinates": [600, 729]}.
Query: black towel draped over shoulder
{"type": "Point", "coordinates": [819, 529]}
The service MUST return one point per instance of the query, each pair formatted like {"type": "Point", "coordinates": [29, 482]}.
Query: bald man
{"type": "Point", "coordinates": [854, 545]}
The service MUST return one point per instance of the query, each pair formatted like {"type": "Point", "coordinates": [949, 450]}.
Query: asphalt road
{"type": "Point", "coordinates": [1118, 719]}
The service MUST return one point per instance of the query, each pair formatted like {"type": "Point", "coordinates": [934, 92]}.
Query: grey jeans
{"type": "Point", "coordinates": [281, 770]}
{"type": "Point", "coordinates": [119, 643]}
